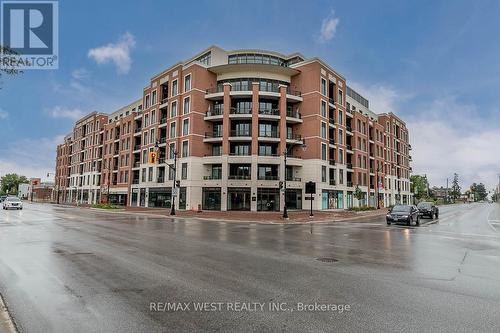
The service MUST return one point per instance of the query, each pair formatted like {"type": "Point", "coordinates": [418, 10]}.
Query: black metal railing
{"type": "Point", "coordinates": [235, 110]}
{"type": "Point", "coordinates": [269, 112]}
{"type": "Point", "coordinates": [241, 133]}
{"type": "Point", "coordinates": [240, 177]}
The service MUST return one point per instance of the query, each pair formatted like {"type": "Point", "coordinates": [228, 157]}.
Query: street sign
{"type": "Point", "coordinates": [174, 191]}
{"type": "Point", "coordinates": [310, 188]}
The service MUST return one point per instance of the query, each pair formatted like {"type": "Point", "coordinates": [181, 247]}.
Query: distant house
{"type": "Point", "coordinates": [440, 192]}
{"type": "Point", "coordinates": [23, 191]}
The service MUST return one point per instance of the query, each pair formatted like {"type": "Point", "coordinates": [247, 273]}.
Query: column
{"type": "Point", "coordinates": [282, 144]}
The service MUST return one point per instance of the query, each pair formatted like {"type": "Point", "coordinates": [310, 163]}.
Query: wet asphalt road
{"type": "Point", "coordinates": [77, 270]}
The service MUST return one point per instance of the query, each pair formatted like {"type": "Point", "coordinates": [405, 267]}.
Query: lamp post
{"type": "Point", "coordinates": [378, 187]}
{"type": "Point", "coordinates": [285, 155]}
{"type": "Point", "coordinates": [174, 185]}
{"type": "Point", "coordinates": [56, 185]}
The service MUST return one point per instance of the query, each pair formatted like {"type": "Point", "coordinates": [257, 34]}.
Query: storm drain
{"type": "Point", "coordinates": [327, 259]}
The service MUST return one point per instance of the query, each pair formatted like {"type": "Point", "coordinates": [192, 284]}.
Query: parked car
{"type": "Point", "coordinates": [2, 198]}
{"type": "Point", "coordinates": [12, 202]}
{"type": "Point", "coordinates": [403, 213]}
{"type": "Point", "coordinates": [428, 209]}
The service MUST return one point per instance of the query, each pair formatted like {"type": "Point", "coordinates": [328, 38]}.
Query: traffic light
{"type": "Point", "coordinates": [152, 157]}
{"type": "Point", "coordinates": [177, 183]}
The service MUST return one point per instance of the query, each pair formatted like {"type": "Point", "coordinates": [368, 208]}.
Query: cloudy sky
{"type": "Point", "coordinates": [434, 63]}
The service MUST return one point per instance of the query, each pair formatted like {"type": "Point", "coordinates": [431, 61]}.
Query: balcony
{"type": "Point", "coordinates": [240, 112]}
{"type": "Point", "coordinates": [332, 182]}
{"type": "Point", "coordinates": [163, 140]}
{"type": "Point", "coordinates": [213, 177]}
{"type": "Point", "coordinates": [331, 162]}
{"type": "Point", "coordinates": [241, 134]}
{"type": "Point", "coordinates": [267, 177]}
{"type": "Point", "coordinates": [135, 181]}
{"type": "Point", "coordinates": [269, 135]}
{"type": "Point", "coordinates": [349, 165]}
{"type": "Point", "coordinates": [213, 136]}
{"type": "Point", "coordinates": [269, 112]}
{"type": "Point", "coordinates": [349, 184]}
{"type": "Point", "coordinates": [214, 93]}
{"type": "Point", "coordinates": [294, 139]}
{"type": "Point", "coordinates": [293, 116]}
{"type": "Point", "coordinates": [239, 177]}
{"type": "Point", "coordinates": [348, 129]}
{"type": "Point", "coordinates": [331, 101]}
{"type": "Point", "coordinates": [137, 147]}
{"type": "Point", "coordinates": [293, 179]}
{"type": "Point", "coordinates": [216, 114]}
{"type": "Point", "coordinates": [348, 147]}
{"type": "Point", "coordinates": [163, 120]}
{"type": "Point", "coordinates": [161, 160]}
{"type": "Point", "coordinates": [331, 141]}
{"type": "Point", "coordinates": [137, 164]}
{"type": "Point", "coordinates": [160, 179]}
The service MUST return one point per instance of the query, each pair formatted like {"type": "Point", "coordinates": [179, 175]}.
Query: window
{"type": "Point", "coordinates": [323, 130]}
{"type": "Point", "coordinates": [153, 117]}
{"type": "Point", "coordinates": [172, 130]}
{"type": "Point", "coordinates": [174, 88]}
{"type": "Point", "coordinates": [153, 97]}
{"type": "Point", "coordinates": [323, 173]}
{"type": "Point", "coordinates": [187, 82]}
{"type": "Point", "coordinates": [150, 174]}
{"type": "Point", "coordinates": [185, 151]}
{"type": "Point", "coordinates": [323, 109]}
{"type": "Point", "coordinates": [341, 137]}
{"type": "Point", "coordinates": [152, 136]}
{"type": "Point", "coordinates": [184, 171]}
{"type": "Point", "coordinates": [146, 102]}
{"type": "Point", "coordinates": [146, 120]}
{"type": "Point", "coordinates": [323, 152]}
{"type": "Point", "coordinates": [187, 105]}
{"type": "Point", "coordinates": [171, 150]}
{"type": "Point", "coordinates": [217, 150]}
{"type": "Point", "coordinates": [341, 118]}
{"type": "Point", "coordinates": [143, 175]}
{"type": "Point", "coordinates": [185, 127]}
{"type": "Point", "coordinates": [341, 156]}
{"type": "Point", "coordinates": [341, 98]}
{"type": "Point", "coordinates": [173, 109]}
{"type": "Point", "coordinates": [323, 87]}
{"type": "Point", "coordinates": [145, 138]}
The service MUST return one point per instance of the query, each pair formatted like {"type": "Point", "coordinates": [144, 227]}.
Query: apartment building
{"type": "Point", "coordinates": [234, 129]}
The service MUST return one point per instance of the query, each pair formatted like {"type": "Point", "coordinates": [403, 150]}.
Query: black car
{"type": "Point", "coordinates": [428, 209]}
{"type": "Point", "coordinates": [403, 213]}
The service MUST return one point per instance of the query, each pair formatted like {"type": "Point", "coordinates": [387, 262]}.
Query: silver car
{"type": "Point", "coordinates": [12, 202]}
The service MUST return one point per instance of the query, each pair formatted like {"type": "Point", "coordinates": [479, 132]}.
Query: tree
{"type": "Point", "coordinates": [455, 187]}
{"type": "Point", "coordinates": [10, 183]}
{"type": "Point", "coordinates": [479, 191]}
{"type": "Point", "coordinates": [419, 186]}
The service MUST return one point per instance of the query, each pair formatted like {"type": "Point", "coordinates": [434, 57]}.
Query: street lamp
{"type": "Point", "coordinates": [285, 155]}
{"type": "Point", "coordinates": [56, 185]}
{"type": "Point", "coordinates": [174, 169]}
{"type": "Point", "coordinates": [378, 187]}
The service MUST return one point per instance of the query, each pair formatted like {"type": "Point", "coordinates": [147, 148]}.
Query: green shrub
{"type": "Point", "coordinates": [361, 209]}
{"type": "Point", "coordinates": [105, 206]}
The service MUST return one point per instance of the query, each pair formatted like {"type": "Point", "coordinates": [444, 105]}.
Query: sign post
{"type": "Point", "coordinates": [311, 189]}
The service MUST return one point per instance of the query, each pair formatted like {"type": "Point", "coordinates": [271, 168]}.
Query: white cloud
{"type": "Point", "coordinates": [446, 135]}
{"type": "Point", "coordinates": [3, 114]}
{"type": "Point", "coordinates": [118, 53]}
{"type": "Point", "coordinates": [18, 157]}
{"type": "Point", "coordinates": [61, 112]}
{"type": "Point", "coordinates": [328, 27]}
{"type": "Point", "coordinates": [80, 74]}
{"type": "Point", "coordinates": [449, 136]}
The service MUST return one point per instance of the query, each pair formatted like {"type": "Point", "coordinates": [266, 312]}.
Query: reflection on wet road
{"type": "Point", "coordinates": [77, 270]}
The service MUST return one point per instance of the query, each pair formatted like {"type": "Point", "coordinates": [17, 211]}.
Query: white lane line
{"type": "Point", "coordinates": [491, 222]}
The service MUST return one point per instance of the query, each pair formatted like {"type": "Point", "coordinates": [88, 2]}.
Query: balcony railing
{"type": "Point", "coordinates": [137, 164]}
{"type": "Point", "coordinates": [349, 165]}
{"type": "Point", "coordinates": [331, 141]}
{"type": "Point", "coordinates": [240, 177]}
{"type": "Point", "coordinates": [348, 128]}
{"type": "Point", "coordinates": [331, 162]}
{"type": "Point", "coordinates": [241, 133]}
{"type": "Point", "coordinates": [267, 177]}
{"type": "Point", "coordinates": [213, 177]}
{"type": "Point", "coordinates": [163, 139]}
{"type": "Point", "coordinates": [332, 182]}
{"type": "Point", "coordinates": [331, 100]}
{"type": "Point", "coordinates": [135, 181]}
{"type": "Point", "coordinates": [137, 147]}
{"type": "Point", "coordinates": [138, 129]}
{"type": "Point", "coordinates": [160, 179]}
{"type": "Point", "coordinates": [209, 135]}
{"type": "Point", "coordinates": [234, 110]}
{"type": "Point", "coordinates": [293, 114]}
{"type": "Point", "coordinates": [296, 137]}
{"type": "Point", "coordinates": [215, 112]}
{"type": "Point", "coordinates": [163, 120]}
{"type": "Point", "coordinates": [293, 92]}
{"type": "Point", "coordinates": [348, 147]}
{"type": "Point", "coordinates": [269, 134]}
{"type": "Point", "coordinates": [239, 154]}
{"type": "Point", "coordinates": [217, 89]}
{"type": "Point", "coordinates": [349, 184]}
{"type": "Point", "coordinates": [269, 154]}
{"type": "Point", "coordinates": [293, 179]}
{"type": "Point", "coordinates": [269, 112]}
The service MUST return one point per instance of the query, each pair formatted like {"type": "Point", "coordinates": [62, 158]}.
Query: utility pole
{"type": "Point", "coordinates": [446, 195]}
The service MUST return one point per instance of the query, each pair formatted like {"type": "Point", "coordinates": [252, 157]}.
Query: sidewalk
{"type": "Point", "coordinates": [295, 216]}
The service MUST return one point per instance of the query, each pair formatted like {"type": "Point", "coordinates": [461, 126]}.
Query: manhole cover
{"type": "Point", "coordinates": [326, 259]}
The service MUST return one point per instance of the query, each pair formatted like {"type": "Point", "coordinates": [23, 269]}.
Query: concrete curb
{"type": "Point", "coordinates": [7, 324]}
{"type": "Point", "coordinates": [360, 216]}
